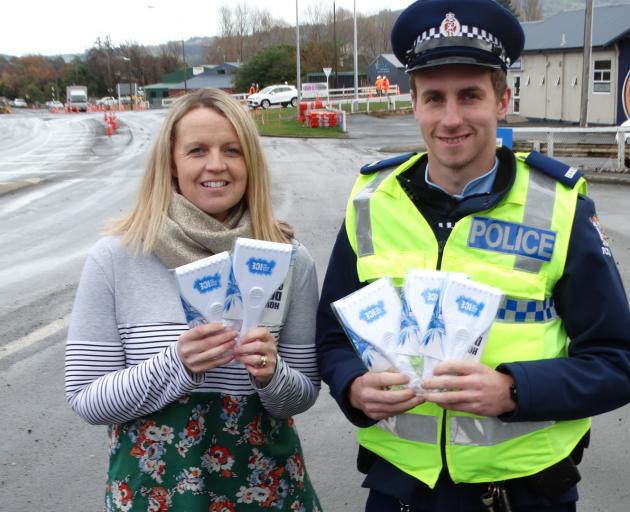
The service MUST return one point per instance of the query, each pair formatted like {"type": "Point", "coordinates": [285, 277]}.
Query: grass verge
{"type": "Point", "coordinates": [282, 122]}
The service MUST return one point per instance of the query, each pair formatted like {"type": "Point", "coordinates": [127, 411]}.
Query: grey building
{"type": "Point", "coordinates": [217, 76]}
{"type": "Point", "coordinates": [388, 64]}
{"type": "Point", "coordinates": [546, 81]}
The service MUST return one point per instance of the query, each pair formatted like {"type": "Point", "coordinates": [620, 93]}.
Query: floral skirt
{"type": "Point", "coordinates": [208, 452]}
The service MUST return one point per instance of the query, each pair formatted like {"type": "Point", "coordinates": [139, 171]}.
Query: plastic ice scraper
{"type": "Point", "coordinates": [371, 317]}
{"type": "Point", "coordinates": [469, 309]}
{"type": "Point", "coordinates": [422, 291]}
{"type": "Point", "coordinates": [202, 285]}
{"type": "Point", "coordinates": [260, 267]}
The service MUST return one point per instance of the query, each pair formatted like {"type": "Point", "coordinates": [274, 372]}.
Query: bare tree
{"type": "Point", "coordinates": [529, 10]}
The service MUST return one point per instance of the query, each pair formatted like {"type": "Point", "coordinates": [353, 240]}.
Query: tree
{"type": "Point", "coordinates": [271, 65]}
{"type": "Point", "coordinates": [508, 5]}
{"type": "Point", "coordinates": [529, 10]}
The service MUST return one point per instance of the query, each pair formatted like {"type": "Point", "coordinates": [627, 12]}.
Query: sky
{"type": "Point", "coordinates": [72, 26]}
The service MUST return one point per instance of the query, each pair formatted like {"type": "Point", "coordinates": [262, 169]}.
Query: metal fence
{"type": "Point", "coordinates": [592, 149]}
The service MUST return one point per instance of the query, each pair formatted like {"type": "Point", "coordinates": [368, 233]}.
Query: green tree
{"type": "Point", "coordinates": [271, 65]}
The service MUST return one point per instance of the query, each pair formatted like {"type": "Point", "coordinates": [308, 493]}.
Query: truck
{"type": "Point", "coordinates": [77, 98]}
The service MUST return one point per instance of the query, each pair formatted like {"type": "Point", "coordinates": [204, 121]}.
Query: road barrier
{"type": "Point", "coordinates": [604, 149]}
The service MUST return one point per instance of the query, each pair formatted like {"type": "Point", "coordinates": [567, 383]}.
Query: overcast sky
{"type": "Point", "coordinates": [71, 26]}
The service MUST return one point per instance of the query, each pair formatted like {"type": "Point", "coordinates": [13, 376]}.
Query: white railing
{"type": "Point", "coordinates": [602, 149]}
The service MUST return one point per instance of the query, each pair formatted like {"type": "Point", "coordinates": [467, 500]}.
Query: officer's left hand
{"type": "Point", "coordinates": [471, 387]}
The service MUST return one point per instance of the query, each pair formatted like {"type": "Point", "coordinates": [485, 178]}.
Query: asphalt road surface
{"type": "Point", "coordinates": [62, 179]}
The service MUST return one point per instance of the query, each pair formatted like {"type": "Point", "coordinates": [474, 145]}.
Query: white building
{"type": "Point", "coordinates": [546, 81]}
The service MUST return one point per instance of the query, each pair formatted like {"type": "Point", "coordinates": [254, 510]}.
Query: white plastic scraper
{"type": "Point", "coordinates": [422, 291]}
{"type": "Point", "coordinates": [469, 309]}
{"type": "Point", "coordinates": [372, 314]}
{"type": "Point", "coordinates": [202, 285]}
{"type": "Point", "coordinates": [260, 267]}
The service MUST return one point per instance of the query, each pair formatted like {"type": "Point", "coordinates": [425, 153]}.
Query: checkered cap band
{"type": "Point", "coordinates": [527, 311]}
{"type": "Point", "coordinates": [466, 31]}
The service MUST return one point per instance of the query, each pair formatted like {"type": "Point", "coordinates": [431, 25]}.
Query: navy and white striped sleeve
{"type": "Point", "coordinates": [296, 382]}
{"type": "Point", "coordinates": [99, 386]}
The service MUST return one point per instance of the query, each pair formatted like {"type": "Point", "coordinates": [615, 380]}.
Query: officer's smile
{"type": "Point", "coordinates": [452, 141]}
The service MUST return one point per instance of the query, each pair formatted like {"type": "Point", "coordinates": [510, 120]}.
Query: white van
{"type": "Point", "coordinates": [317, 90]}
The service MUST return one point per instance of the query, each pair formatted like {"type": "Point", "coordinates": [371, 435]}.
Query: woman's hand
{"type": "Point", "coordinates": [206, 346]}
{"type": "Point", "coordinates": [257, 351]}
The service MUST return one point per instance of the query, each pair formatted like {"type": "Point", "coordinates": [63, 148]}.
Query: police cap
{"type": "Point", "coordinates": [432, 33]}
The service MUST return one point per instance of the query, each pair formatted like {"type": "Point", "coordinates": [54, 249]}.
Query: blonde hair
{"type": "Point", "coordinates": [140, 228]}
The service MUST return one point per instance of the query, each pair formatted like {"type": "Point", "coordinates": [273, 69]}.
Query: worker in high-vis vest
{"type": "Point", "coordinates": [507, 432]}
{"type": "Point", "coordinates": [378, 83]}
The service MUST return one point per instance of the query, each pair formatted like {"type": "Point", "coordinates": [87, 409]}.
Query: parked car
{"type": "Point", "coordinates": [626, 135]}
{"type": "Point", "coordinates": [284, 95]}
{"type": "Point", "coordinates": [54, 104]}
{"type": "Point", "coordinates": [20, 103]}
{"type": "Point", "coordinates": [106, 101]}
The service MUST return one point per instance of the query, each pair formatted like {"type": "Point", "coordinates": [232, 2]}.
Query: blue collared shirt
{"type": "Point", "coordinates": [481, 185]}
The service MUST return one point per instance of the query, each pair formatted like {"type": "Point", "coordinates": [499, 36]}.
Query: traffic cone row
{"type": "Point", "coordinates": [111, 123]}
{"type": "Point", "coordinates": [323, 118]}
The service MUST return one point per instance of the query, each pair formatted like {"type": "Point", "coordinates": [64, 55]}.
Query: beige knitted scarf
{"type": "Point", "coordinates": [189, 234]}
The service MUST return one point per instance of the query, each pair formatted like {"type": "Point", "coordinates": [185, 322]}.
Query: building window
{"type": "Point", "coordinates": [516, 98]}
{"type": "Point", "coordinates": [601, 76]}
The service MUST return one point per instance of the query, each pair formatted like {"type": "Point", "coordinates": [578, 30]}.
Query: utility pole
{"type": "Point", "coordinates": [356, 53]}
{"type": "Point", "coordinates": [297, 56]}
{"type": "Point", "coordinates": [335, 43]}
{"type": "Point", "coordinates": [185, 67]}
{"type": "Point", "coordinates": [586, 63]}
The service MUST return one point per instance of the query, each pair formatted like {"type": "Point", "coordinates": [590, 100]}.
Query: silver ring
{"type": "Point", "coordinates": [263, 362]}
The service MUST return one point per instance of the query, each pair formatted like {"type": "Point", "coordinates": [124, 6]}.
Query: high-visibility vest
{"type": "Point", "coordinates": [378, 84]}
{"type": "Point", "coordinates": [390, 236]}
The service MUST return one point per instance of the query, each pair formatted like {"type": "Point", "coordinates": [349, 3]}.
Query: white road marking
{"type": "Point", "coordinates": [34, 337]}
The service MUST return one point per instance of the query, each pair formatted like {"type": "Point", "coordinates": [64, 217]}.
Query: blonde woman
{"type": "Point", "coordinates": [196, 422]}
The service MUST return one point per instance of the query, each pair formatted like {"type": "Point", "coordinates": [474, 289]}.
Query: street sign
{"type": "Point", "coordinates": [327, 72]}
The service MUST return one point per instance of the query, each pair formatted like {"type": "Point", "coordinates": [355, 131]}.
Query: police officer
{"type": "Point", "coordinates": [505, 433]}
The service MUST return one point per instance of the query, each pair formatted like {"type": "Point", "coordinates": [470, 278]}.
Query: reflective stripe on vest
{"type": "Point", "coordinates": [414, 427]}
{"type": "Point", "coordinates": [541, 197]}
{"type": "Point", "coordinates": [465, 430]}
{"type": "Point", "coordinates": [362, 207]}
{"type": "Point", "coordinates": [469, 431]}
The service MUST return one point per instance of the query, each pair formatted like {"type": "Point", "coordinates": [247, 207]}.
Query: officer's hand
{"type": "Point", "coordinates": [469, 387]}
{"type": "Point", "coordinates": [369, 393]}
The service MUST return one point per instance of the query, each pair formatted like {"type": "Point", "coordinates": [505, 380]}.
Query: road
{"type": "Point", "coordinates": [79, 179]}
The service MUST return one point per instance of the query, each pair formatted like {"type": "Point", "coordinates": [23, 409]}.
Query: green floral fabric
{"type": "Point", "coordinates": [208, 452]}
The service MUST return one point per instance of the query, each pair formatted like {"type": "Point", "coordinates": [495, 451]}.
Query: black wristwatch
{"type": "Point", "coordinates": [514, 393]}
